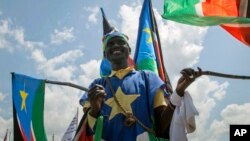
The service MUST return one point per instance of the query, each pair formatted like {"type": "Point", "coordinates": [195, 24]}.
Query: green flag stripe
{"type": "Point", "coordinates": [37, 113]}
{"type": "Point", "coordinates": [147, 64]}
{"type": "Point", "coordinates": [99, 126]}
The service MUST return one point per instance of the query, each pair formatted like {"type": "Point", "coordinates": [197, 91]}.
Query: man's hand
{"type": "Point", "coordinates": [188, 76]}
{"type": "Point", "coordinates": [96, 97]}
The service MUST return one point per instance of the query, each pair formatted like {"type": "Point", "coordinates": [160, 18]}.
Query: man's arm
{"type": "Point", "coordinates": [163, 113]}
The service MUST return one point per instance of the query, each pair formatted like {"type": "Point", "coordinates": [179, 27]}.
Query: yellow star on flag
{"type": "Point", "coordinates": [148, 31]}
{"type": "Point", "coordinates": [125, 101]}
{"type": "Point", "coordinates": [23, 95]}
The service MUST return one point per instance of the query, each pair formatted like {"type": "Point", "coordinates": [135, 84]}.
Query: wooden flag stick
{"type": "Point", "coordinates": [66, 84]}
{"type": "Point", "coordinates": [224, 75]}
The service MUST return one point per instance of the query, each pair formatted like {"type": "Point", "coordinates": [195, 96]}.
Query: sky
{"type": "Point", "coordinates": [62, 41]}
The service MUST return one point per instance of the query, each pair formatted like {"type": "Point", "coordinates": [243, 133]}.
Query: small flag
{"type": "Point", "coordinates": [232, 15]}
{"type": "Point", "coordinates": [70, 132]}
{"type": "Point", "coordinates": [28, 108]}
{"type": "Point", "coordinates": [82, 132]}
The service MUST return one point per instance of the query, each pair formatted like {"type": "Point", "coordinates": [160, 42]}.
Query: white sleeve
{"type": "Point", "coordinates": [183, 120]}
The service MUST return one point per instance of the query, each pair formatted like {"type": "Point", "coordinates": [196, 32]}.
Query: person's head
{"type": "Point", "coordinates": [116, 47]}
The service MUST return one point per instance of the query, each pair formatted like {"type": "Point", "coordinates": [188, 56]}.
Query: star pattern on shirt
{"type": "Point", "coordinates": [125, 101]}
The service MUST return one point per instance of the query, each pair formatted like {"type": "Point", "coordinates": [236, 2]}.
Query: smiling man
{"type": "Point", "coordinates": [134, 104]}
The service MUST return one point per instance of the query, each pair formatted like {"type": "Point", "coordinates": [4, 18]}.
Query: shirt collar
{"type": "Point", "coordinates": [122, 72]}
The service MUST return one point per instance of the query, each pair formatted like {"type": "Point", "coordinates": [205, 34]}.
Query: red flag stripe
{"type": "Point", "coordinates": [160, 63]}
{"type": "Point", "coordinates": [242, 33]}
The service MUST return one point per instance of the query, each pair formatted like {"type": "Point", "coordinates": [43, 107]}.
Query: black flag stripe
{"type": "Point", "coordinates": [17, 131]}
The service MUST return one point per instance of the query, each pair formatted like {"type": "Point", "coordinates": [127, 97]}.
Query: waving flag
{"type": "Point", "coordinates": [28, 108]}
{"type": "Point", "coordinates": [82, 133]}
{"type": "Point", "coordinates": [70, 132]}
{"type": "Point", "coordinates": [232, 15]}
{"type": "Point", "coordinates": [148, 54]}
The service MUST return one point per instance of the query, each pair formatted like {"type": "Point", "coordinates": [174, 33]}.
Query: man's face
{"type": "Point", "coordinates": [117, 48]}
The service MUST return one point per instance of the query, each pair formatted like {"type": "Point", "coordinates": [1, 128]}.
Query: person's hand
{"type": "Point", "coordinates": [96, 97]}
{"type": "Point", "coordinates": [188, 76]}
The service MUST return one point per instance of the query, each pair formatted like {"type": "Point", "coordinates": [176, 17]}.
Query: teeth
{"type": "Point", "coordinates": [116, 52]}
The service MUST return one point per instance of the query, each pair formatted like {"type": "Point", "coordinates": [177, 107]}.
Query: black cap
{"type": "Point", "coordinates": [107, 28]}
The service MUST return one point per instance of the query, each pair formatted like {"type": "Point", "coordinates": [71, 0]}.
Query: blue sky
{"type": "Point", "coordinates": [61, 40]}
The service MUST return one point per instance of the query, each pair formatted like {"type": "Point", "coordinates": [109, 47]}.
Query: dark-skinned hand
{"type": "Point", "coordinates": [187, 78]}
{"type": "Point", "coordinates": [96, 96]}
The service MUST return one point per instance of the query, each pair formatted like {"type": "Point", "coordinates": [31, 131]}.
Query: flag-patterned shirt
{"type": "Point", "coordinates": [138, 92]}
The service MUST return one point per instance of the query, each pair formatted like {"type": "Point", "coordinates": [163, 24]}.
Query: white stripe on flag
{"type": "Point", "coordinates": [32, 131]}
{"type": "Point", "coordinates": [237, 25]}
{"type": "Point", "coordinates": [243, 8]}
{"type": "Point", "coordinates": [198, 8]}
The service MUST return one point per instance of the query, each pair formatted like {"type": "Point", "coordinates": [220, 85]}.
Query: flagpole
{"type": "Point", "coordinates": [66, 84]}
{"type": "Point", "coordinates": [63, 83]}
{"type": "Point", "coordinates": [212, 73]}
{"type": "Point", "coordinates": [155, 29]}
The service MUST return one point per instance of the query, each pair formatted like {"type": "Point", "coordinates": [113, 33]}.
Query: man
{"type": "Point", "coordinates": [133, 103]}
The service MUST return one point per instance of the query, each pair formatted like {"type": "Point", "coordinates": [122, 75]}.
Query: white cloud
{"type": "Point", "coordinates": [4, 28]}
{"type": "Point", "coordinates": [219, 129]}
{"type": "Point", "coordinates": [5, 124]}
{"type": "Point", "coordinates": [130, 20]}
{"type": "Point", "coordinates": [14, 36]}
{"type": "Point", "coordinates": [181, 44]}
{"type": "Point", "coordinates": [66, 35]}
{"type": "Point", "coordinates": [2, 96]}
{"type": "Point", "coordinates": [90, 72]}
{"type": "Point", "coordinates": [59, 67]}
{"type": "Point", "coordinates": [232, 114]}
{"type": "Point", "coordinates": [1, 13]}
{"type": "Point", "coordinates": [93, 14]}
{"type": "Point", "coordinates": [61, 104]}
{"type": "Point", "coordinates": [38, 56]}
{"type": "Point", "coordinates": [203, 91]}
